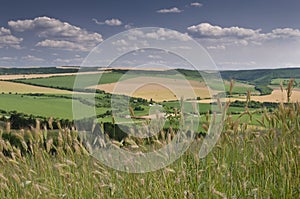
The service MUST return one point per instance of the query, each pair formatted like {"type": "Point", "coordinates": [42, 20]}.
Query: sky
{"type": "Point", "coordinates": [238, 34]}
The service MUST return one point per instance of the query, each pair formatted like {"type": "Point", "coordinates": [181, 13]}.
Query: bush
{"type": "Point", "coordinates": [264, 90]}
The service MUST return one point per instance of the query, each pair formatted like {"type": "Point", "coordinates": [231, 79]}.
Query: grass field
{"type": "Point", "coordinates": [245, 163]}
{"type": "Point", "coordinates": [42, 106]}
{"type": "Point", "coordinates": [285, 81]}
{"type": "Point", "coordinates": [240, 88]}
{"type": "Point", "coordinates": [67, 82]}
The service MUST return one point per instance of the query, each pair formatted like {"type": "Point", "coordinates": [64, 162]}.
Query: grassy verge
{"type": "Point", "coordinates": [245, 163]}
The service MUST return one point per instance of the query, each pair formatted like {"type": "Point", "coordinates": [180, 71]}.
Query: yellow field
{"type": "Point", "coordinates": [207, 101]}
{"type": "Point", "coordinates": [278, 96]}
{"type": "Point", "coordinates": [159, 89]}
{"type": "Point", "coordinates": [30, 76]}
{"type": "Point", "coordinates": [12, 87]}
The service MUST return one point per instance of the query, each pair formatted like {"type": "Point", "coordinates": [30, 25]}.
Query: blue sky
{"type": "Point", "coordinates": [238, 34]}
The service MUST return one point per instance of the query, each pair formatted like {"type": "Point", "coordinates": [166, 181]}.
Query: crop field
{"type": "Point", "coordinates": [278, 96]}
{"type": "Point", "coordinates": [109, 80]}
{"type": "Point", "coordinates": [161, 89]}
{"type": "Point", "coordinates": [11, 87]}
{"type": "Point", "coordinates": [33, 76]}
{"type": "Point", "coordinates": [256, 156]}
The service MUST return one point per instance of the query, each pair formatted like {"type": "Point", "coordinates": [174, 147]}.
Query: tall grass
{"type": "Point", "coordinates": [247, 162]}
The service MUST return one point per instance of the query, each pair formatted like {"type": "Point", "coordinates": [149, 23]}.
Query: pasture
{"type": "Point", "coordinates": [45, 106]}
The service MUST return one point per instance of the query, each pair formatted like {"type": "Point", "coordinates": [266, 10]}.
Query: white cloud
{"type": "Point", "coordinates": [72, 61]}
{"type": "Point", "coordinates": [286, 33]}
{"type": "Point", "coordinates": [217, 47]}
{"type": "Point", "coordinates": [32, 58]}
{"type": "Point", "coordinates": [8, 58]}
{"type": "Point", "coordinates": [8, 40]}
{"type": "Point", "coordinates": [169, 10]}
{"type": "Point", "coordinates": [160, 34]}
{"type": "Point", "coordinates": [196, 4]}
{"type": "Point", "coordinates": [136, 39]}
{"type": "Point", "coordinates": [58, 31]}
{"type": "Point", "coordinates": [109, 22]}
{"type": "Point", "coordinates": [61, 44]}
{"type": "Point", "coordinates": [113, 22]}
{"type": "Point", "coordinates": [154, 56]}
{"type": "Point", "coordinates": [129, 26]}
{"type": "Point", "coordinates": [120, 42]}
{"type": "Point", "coordinates": [228, 36]}
{"type": "Point", "coordinates": [239, 47]}
{"type": "Point", "coordinates": [208, 30]}
{"type": "Point", "coordinates": [97, 22]}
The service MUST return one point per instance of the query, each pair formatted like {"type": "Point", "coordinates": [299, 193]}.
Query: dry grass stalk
{"type": "Point", "coordinates": [231, 87]}
{"type": "Point", "coordinates": [289, 89]}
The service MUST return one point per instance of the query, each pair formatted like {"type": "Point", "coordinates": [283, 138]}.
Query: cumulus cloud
{"type": "Point", "coordinates": [196, 4]}
{"type": "Point", "coordinates": [32, 58]}
{"type": "Point", "coordinates": [286, 33]}
{"type": "Point", "coordinates": [136, 38]}
{"type": "Point", "coordinates": [109, 22]}
{"type": "Point", "coordinates": [240, 47]}
{"type": "Point", "coordinates": [208, 30]}
{"type": "Point", "coordinates": [129, 26]}
{"type": "Point", "coordinates": [217, 47]}
{"type": "Point", "coordinates": [228, 36]}
{"type": "Point", "coordinates": [8, 40]}
{"type": "Point", "coordinates": [60, 33]}
{"type": "Point", "coordinates": [170, 10]}
{"type": "Point", "coordinates": [160, 34]}
{"type": "Point", "coordinates": [154, 56]}
{"type": "Point", "coordinates": [61, 44]}
{"type": "Point", "coordinates": [8, 58]}
{"type": "Point", "coordinates": [113, 22]}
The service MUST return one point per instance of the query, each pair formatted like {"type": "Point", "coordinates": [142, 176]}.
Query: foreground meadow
{"type": "Point", "coordinates": [246, 162]}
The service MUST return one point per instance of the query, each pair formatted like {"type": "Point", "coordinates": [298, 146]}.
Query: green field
{"type": "Point", "coordinates": [285, 82]}
{"type": "Point", "coordinates": [44, 106]}
{"type": "Point", "coordinates": [67, 82]}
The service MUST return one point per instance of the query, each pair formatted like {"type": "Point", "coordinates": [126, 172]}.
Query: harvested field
{"type": "Point", "coordinates": [207, 101]}
{"type": "Point", "coordinates": [159, 89]}
{"type": "Point", "coordinates": [12, 87]}
{"type": "Point", "coordinates": [31, 76]}
{"type": "Point", "coordinates": [278, 96]}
